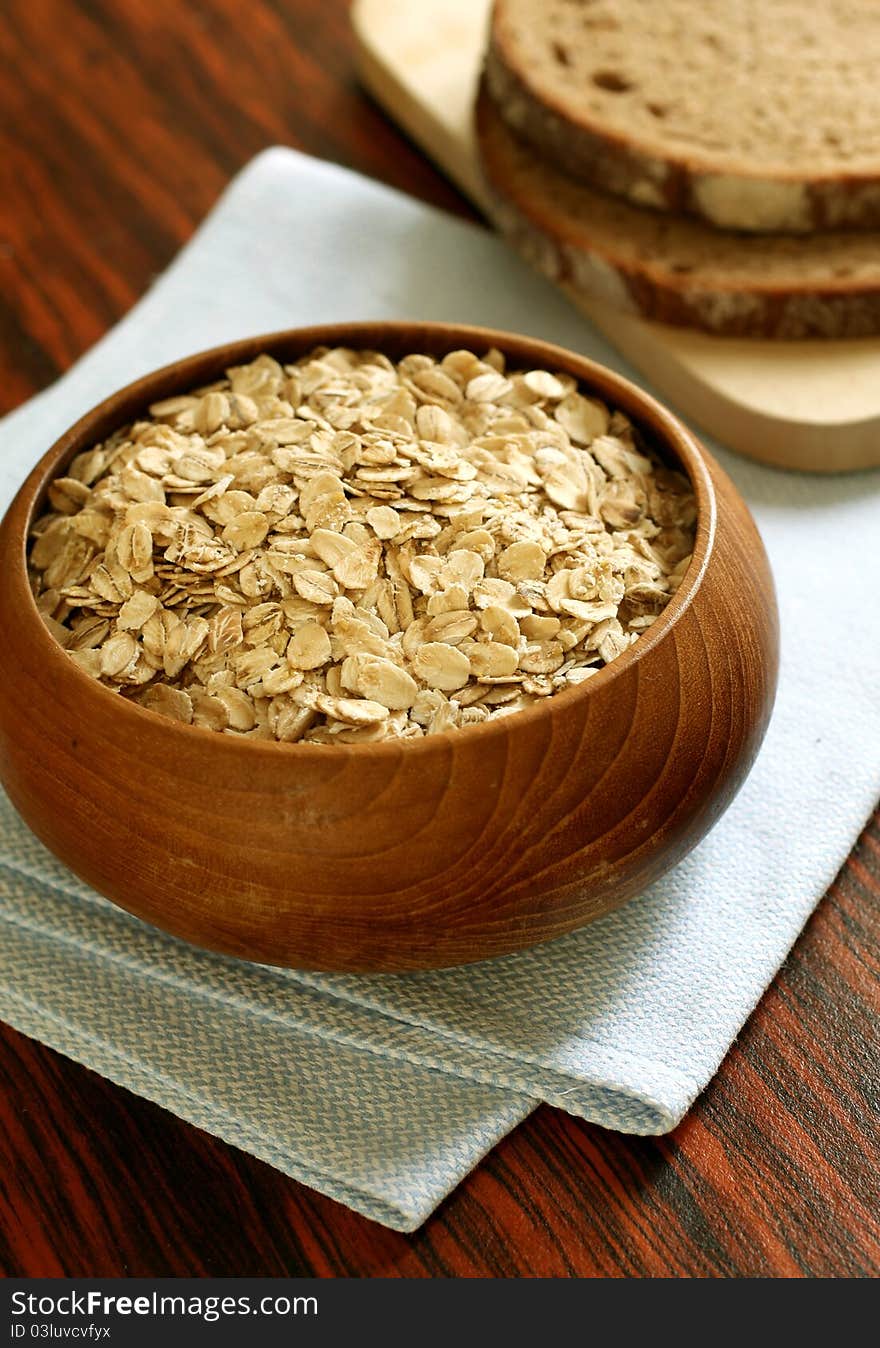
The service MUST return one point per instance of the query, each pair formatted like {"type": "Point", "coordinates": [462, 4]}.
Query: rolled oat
{"type": "Point", "coordinates": [347, 549]}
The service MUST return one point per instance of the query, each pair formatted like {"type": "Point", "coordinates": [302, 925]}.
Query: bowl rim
{"type": "Point", "coordinates": [664, 429]}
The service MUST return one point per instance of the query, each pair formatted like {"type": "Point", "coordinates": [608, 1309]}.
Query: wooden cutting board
{"type": "Point", "coordinates": [810, 405]}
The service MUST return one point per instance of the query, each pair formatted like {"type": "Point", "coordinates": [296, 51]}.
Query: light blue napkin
{"type": "Point", "coordinates": [384, 1091]}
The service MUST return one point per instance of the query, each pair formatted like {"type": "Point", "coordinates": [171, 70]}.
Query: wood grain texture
{"type": "Point", "coordinates": [402, 855]}
{"type": "Point", "coordinates": [774, 1173]}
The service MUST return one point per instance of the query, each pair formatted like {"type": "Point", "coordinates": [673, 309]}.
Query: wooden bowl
{"type": "Point", "coordinates": [412, 854]}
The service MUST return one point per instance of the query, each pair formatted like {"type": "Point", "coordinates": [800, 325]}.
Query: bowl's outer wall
{"type": "Point", "coordinates": [414, 855]}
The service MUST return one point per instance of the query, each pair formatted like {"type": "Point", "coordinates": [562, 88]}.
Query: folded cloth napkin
{"type": "Point", "coordinates": [384, 1091]}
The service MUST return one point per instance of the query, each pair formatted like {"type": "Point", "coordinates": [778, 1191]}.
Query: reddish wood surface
{"type": "Point", "coordinates": [443, 851]}
{"type": "Point", "coordinates": [120, 122]}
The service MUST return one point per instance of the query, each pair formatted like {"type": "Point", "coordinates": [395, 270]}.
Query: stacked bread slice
{"type": "Point", "coordinates": [708, 163]}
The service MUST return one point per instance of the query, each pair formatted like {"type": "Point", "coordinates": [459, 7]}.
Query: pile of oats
{"type": "Point", "coordinates": [348, 549]}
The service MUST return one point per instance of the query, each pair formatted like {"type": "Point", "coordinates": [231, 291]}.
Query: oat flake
{"type": "Point", "coordinates": [345, 549]}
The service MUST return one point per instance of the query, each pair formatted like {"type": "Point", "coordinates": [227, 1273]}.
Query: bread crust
{"type": "Point", "coordinates": [727, 197]}
{"type": "Point", "coordinates": [563, 248]}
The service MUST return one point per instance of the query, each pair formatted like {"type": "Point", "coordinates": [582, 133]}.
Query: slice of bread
{"type": "Point", "coordinates": [678, 271]}
{"type": "Point", "coordinates": [751, 114]}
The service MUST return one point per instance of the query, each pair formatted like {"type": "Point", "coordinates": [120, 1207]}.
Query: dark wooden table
{"type": "Point", "coordinates": [120, 123]}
